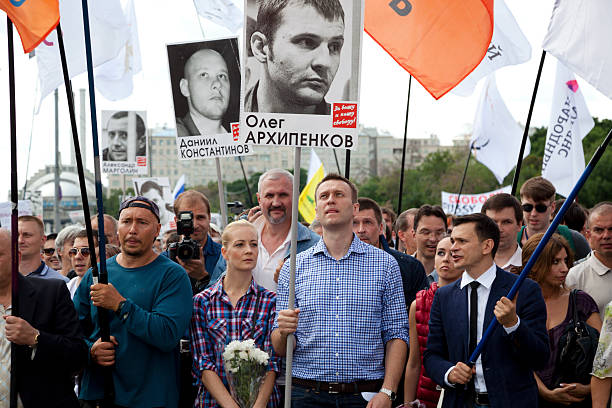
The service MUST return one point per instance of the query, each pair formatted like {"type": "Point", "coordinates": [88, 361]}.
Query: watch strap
{"type": "Point", "coordinates": [389, 393]}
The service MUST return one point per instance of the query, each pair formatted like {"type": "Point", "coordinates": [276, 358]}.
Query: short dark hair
{"type": "Point", "coordinates": [504, 200]}
{"type": "Point", "coordinates": [334, 176]}
{"type": "Point", "coordinates": [51, 236]}
{"type": "Point", "coordinates": [190, 195]}
{"type": "Point", "coordinates": [485, 228]}
{"type": "Point", "coordinates": [269, 13]}
{"type": "Point", "coordinates": [427, 211]}
{"type": "Point", "coordinates": [83, 234]}
{"type": "Point", "coordinates": [575, 217]}
{"type": "Point", "coordinates": [140, 125]}
{"type": "Point", "coordinates": [390, 213]}
{"type": "Point", "coordinates": [538, 189]}
{"type": "Point", "coordinates": [366, 203]}
{"type": "Point", "coordinates": [401, 224]}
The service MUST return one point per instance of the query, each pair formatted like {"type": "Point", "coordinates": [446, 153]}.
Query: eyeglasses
{"type": "Point", "coordinates": [48, 251]}
{"type": "Point", "coordinates": [73, 251]}
{"type": "Point", "coordinates": [541, 208]}
{"type": "Point", "coordinates": [427, 233]}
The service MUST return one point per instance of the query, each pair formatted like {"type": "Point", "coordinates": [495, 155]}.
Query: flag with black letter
{"type": "Point", "coordinates": [509, 46]}
{"type": "Point", "coordinates": [579, 35]}
{"type": "Point", "coordinates": [496, 136]}
{"type": "Point", "coordinates": [570, 122]}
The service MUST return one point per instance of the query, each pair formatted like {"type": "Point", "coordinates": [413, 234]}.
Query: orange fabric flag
{"type": "Point", "coordinates": [34, 19]}
{"type": "Point", "coordinates": [438, 41]}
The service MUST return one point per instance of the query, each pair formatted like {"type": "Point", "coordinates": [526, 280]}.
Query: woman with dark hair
{"type": "Point", "coordinates": [550, 271]}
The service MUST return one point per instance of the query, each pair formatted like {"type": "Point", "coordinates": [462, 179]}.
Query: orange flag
{"type": "Point", "coordinates": [438, 41]}
{"type": "Point", "coordinates": [34, 19]}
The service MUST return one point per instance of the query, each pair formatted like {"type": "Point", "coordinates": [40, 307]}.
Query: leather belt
{"type": "Point", "coordinates": [340, 388]}
{"type": "Point", "coordinates": [481, 398]}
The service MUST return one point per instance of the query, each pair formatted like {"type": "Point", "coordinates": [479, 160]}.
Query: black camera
{"type": "Point", "coordinates": [187, 248]}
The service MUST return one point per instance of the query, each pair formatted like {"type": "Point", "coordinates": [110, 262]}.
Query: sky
{"type": "Point", "coordinates": [384, 87]}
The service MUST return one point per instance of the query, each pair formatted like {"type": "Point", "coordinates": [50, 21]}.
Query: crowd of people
{"type": "Point", "coordinates": [388, 309]}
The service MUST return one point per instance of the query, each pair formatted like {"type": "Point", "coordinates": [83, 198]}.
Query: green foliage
{"type": "Point", "coordinates": [112, 201]}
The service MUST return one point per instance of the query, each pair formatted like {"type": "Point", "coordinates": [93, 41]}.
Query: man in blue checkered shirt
{"type": "Point", "coordinates": [350, 320]}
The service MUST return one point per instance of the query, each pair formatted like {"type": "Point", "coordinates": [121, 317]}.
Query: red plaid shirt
{"type": "Point", "coordinates": [215, 323]}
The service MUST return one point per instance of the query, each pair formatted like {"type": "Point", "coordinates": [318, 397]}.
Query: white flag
{"type": "Point", "coordinates": [509, 46]}
{"type": "Point", "coordinates": [114, 77]}
{"type": "Point", "coordinates": [496, 137]}
{"type": "Point", "coordinates": [579, 36]}
{"type": "Point", "coordinates": [109, 33]}
{"type": "Point", "coordinates": [222, 12]}
{"type": "Point", "coordinates": [570, 122]}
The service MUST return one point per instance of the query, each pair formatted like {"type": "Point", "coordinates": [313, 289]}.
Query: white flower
{"type": "Point", "coordinates": [248, 344]}
{"type": "Point", "coordinates": [243, 355]}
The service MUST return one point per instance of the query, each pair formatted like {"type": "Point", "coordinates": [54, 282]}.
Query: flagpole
{"type": "Point", "coordinates": [549, 232]}
{"type": "Point", "coordinates": [293, 253]}
{"type": "Point", "coordinates": [467, 163]}
{"type": "Point", "coordinates": [401, 186]}
{"type": "Point", "coordinates": [103, 317]}
{"type": "Point", "coordinates": [14, 211]}
{"type": "Point", "coordinates": [337, 162]}
{"type": "Point", "coordinates": [222, 203]}
{"type": "Point", "coordinates": [246, 182]}
{"type": "Point", "coordinates": [519, 162]}
{"type": "Point", "coordinates": [347, 164]}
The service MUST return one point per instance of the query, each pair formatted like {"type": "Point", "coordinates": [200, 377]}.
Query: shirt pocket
{"type": "Point", "coordinates": [217, 331]}
{"type": "Point", "coordinates": [256, 332]}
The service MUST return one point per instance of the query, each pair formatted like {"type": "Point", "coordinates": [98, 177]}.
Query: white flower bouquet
{"type": "Point", "coordinates": [245, 366]}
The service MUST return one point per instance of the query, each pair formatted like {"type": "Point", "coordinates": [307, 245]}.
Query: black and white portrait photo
{"type": "Point", "coordinates": [301, 56]}
{"type": "Point", "coordinates": [205, 78]}
{"type": "Point", "coordinates": [157, 189]}
{"type": "Point", "coordinates": [124, 136]}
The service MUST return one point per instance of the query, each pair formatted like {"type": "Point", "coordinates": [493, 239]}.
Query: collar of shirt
{"type": "Point", "coordinates": [41, 270]}
{"type": "Point", "coordinates": [597, 265]}
{"type": "Point", "coordinates": [217, 290]}
{"type": "Point", "coordinates": [210, 248]}
{"type": "Point", "coordinates": [357, 246]}
{"type": "Point", "coordinates": [486, 279]}
{"type": "Point", "coordinates": [515, 260]}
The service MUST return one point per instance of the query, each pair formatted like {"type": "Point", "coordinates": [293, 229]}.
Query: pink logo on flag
{"type": "Point", "coordinates": [572, 85]}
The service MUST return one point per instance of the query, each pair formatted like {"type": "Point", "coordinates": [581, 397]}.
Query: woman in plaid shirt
{"type": "Point", "coordinates": [234, 308]}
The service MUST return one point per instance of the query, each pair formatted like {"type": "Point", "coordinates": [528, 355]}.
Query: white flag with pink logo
{"type": "Point", "coordinates": [570, 122]}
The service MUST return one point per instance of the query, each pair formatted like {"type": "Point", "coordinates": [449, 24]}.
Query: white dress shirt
{"type": "Point", "coordinates": [263, 274]}
{"type": "Point", "coordinates": [515, 260]}
{"type": "Point", "coordinates": [486, 281]}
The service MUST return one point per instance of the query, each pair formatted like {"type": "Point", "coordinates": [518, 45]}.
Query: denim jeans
{"type": "Point", "coordinates": [307, 397]}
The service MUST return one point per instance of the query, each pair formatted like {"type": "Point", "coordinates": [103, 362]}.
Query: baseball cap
{"type": "Point", "coordinates": [140, 202]}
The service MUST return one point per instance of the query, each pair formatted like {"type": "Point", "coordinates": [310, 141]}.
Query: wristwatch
{"type": "Point", "coordinates": [389, 393]}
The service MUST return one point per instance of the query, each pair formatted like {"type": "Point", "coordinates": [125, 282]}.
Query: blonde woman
{"type": "Point", "coordinates": [234, 308]}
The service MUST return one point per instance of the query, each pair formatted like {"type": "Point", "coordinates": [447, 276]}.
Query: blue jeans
{"type": "Point", "coordinates": [307, 397]}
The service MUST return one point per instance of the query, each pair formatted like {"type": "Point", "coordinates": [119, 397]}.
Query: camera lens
{"type": "Point", "coordinates": [185, 252]}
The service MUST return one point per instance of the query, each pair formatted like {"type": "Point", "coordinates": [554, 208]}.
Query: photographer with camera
{"type": "Point", "coordinates": [196, 252]}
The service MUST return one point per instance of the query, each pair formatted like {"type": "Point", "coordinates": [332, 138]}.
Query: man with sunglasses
{"type": "Point", "coordinates": [31, 239]}
{"type": "Point", "coordinates": [49, 255]}
{"type": "Point", "coordinates": [81, 261]}
{"type": "Point", "coordinates": [149, 301]}
{"type": "Point", "coordinates": [538, 204]}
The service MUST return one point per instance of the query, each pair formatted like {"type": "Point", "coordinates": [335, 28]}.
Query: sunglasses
{"type": "Point", "coordinates": [48, 251]}
{"type": "Point", "coordinates": [73, 251]}
{"type": "Point", "coordinates": [541, 208]}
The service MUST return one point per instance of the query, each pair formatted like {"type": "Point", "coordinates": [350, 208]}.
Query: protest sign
{"type": "Point", "coordinates": [301, 72]}
{"type": "Point", "coordinates": [157, 189]}
{"type": "Point", "coordinates": [468, 203]}
{"type": "Point", "coordinates": [124, 142]}
{"type": "Point", "coordinates": [24, 207]}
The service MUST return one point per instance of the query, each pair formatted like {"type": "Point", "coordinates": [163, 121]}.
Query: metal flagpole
{"type": "Point", "coordinates": [519, 162]}
{"type": "Point", "coordinates": [347, 164]}
{"type": "Point", "coordinates": [549, 232]}
{"type": "Point", "coordinates": [57, 226]}
{"type": "Point", "coordinates": [401, 186]}
{"type": "Point", "coordinates": [293, 252]}
{"type": "Point", "coordinates": [246, 182]}
{"type": "Point", "coordinates": [221, 195]}
{"type": "Point", "coordinates": [103, 275]}
{"type": "Point", "coordinates": [337, 163]}
{"type": "Point", "coordinates": [467, 163]}
{"type": "Point", "coordinates": [14, 210]}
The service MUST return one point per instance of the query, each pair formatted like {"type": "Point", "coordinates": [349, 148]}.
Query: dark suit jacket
{"type": "Point", "coordinates": [508, 360]}
{"type": "Point", "coordinates": [47, 379]}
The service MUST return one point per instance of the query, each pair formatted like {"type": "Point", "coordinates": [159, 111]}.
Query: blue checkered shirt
{"type": "Point", "coordinates": [349, 309]}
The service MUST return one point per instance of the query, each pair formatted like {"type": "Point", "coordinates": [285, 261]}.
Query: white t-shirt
{"type": "Point", "coordinates": [266, 262]}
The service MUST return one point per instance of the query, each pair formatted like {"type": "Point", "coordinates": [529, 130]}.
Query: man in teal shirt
{"type": "Point", "coordinates": [148, 300]}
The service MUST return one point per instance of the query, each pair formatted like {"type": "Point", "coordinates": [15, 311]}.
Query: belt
{"type": "Point", "coordinates": [340, 388]}
{"type": "Point", "coordinates": [481, 398]}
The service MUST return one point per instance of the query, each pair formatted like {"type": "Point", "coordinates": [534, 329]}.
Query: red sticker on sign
{"type": "Point", "coordinates": [345, 115]}
{"type": "Point", "coordinates": [141, 161]}
{"type": "Point", "coordinates": [235, 131]}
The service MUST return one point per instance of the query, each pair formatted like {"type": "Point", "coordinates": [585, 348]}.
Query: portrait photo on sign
{"type": "Point", "coordinates": [124, 136]}
{"type": "Point", "coordinates": [157, 189]}
{"type": "Point", "coordinates": [205, 79]}
{"type": "Point", "coordinates": [301, 56]}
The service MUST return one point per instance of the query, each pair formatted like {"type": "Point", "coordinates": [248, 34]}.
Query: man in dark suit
{"type": "Point", "coordinates": [47, 334]}
{"type": "Point", "coordinates": [503, 374]}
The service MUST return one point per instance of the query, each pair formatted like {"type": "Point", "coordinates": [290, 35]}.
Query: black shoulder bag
{"type": "Point", "coordinates": [577, 347]}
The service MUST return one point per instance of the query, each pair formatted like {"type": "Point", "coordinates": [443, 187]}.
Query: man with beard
{"type": "Point", "coordinates": [148, 302]}
{"type": "Point", "coordinates": [298, 44]}
{"type": "Point", "coordinates": [206, 86]}
{"type": "Point", "coordinates": [274, 196]}
{"type": "Point", "coordinates": [118, 134]}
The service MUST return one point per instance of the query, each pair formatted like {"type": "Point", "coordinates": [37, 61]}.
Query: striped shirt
{"type": "Point", "coordinates": [349, 309]}
{"type": "Point", "coordinates": [215, 323]}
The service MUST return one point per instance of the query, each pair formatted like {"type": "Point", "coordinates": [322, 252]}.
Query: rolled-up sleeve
{"type": "Point", "coordinates": [200, 344]}
{"type": "Point", "coordinates": [394, 316]}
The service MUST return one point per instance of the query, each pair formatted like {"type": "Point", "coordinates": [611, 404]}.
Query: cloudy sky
{"type": "Point", "coordinates": [384, 87]}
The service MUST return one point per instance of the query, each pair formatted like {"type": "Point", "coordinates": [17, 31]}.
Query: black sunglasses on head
{"type": "Point", "coordinates": [48, 251]}
{"type": "Point", "coordinates": [73, 251]}
{"type": "Point", "coordinates": [541, 208]}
